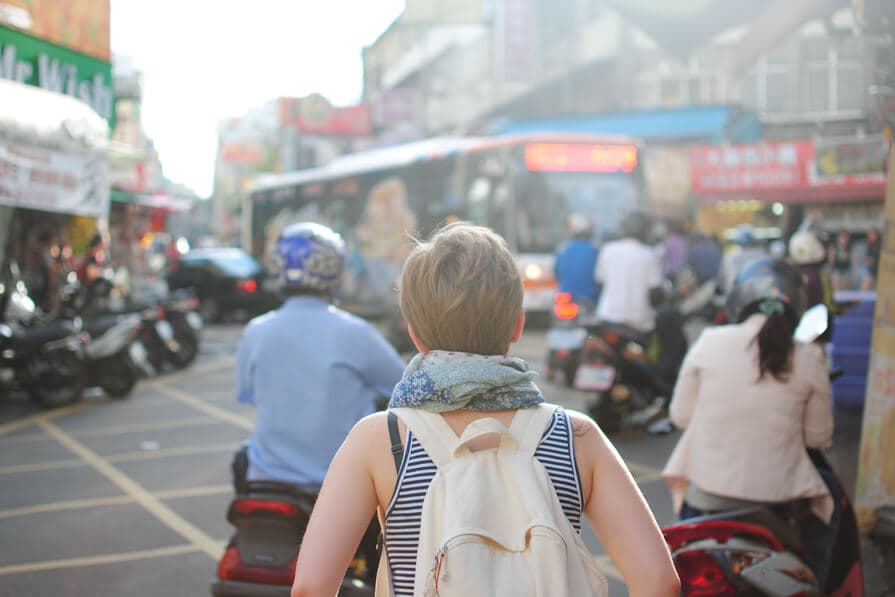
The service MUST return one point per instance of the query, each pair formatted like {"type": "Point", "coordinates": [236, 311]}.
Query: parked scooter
{"type": "Point", "coordinates": [46, 361]}
{"type": "Point", "coordinates": [116, 358]}
{"type": "Point", "coordinates": [270, 519]}
{"type": "Point", "coordinates": [181, 312]}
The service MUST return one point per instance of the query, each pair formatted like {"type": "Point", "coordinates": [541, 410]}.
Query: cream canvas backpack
{"type": "Point", "coordinates": [492, 523]}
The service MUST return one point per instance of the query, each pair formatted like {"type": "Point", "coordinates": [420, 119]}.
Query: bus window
{"type": "Point", "coordinates": [477, 200]}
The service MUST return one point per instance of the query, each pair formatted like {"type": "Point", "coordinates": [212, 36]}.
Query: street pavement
{"type": "Point", "coordinates": [129, 497]}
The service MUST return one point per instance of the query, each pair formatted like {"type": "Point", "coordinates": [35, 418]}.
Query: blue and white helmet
{"type": "Point", "coordinates": [310, 256]}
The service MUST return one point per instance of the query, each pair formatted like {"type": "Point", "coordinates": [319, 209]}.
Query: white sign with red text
{"type": "Point", "coordinates": [53, 181]}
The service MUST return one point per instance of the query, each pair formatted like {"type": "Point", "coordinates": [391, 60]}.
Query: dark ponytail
{"type": "Point", "coordinates": [774, 339]}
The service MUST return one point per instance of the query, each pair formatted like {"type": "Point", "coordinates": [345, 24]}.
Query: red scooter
{"type": "Point", "coordinates": [270, 519]}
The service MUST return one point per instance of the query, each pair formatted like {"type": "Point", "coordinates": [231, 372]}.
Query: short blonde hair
{"type": "Point", "coordinates": [461, 291]}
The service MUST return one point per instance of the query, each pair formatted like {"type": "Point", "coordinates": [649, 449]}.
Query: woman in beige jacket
{"type": "Point", "coordinates": [751, 399]}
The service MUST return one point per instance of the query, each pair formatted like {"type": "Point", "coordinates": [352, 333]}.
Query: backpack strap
{"type": "Point", "coordinates": [442, 443]}
{"type": "Point", "coordinates": [529, 424]}
{"type": "Point", "coordinates": [395, 438]}
{"type": "Point", "coordinates": [432, 431]}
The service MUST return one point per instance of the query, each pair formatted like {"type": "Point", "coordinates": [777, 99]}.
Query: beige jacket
{"type": "Point", "coordinates": [746, 439]}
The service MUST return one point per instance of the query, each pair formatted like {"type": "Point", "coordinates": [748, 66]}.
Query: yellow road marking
{"type": "Point", "coordinates": [8, 428]}
{"type": "Point", "coordinates": [196, 370]}
{"type": "Point", "coordinates": [50, 465]}
{"type": "Point", "coordinates": [115, 500]}
{"type": "Point", "coordinates": [194, 492]}
{"type": "Point", "coordinates": [607, 567]}
{"type": "Point", "coordinates": [151, 503]}
{"type": "Point", "coordinates": [66, 505]}
{"type": "Point", "coordinates": [644, 474]}
{"type": "Point", "coordinates": [200, 405]}
{"type": "Point", "coordinates": [105, 430]}
{"type": "Point", "coordinates": [129, 556]}
{"type": "Point", "coordinates": [121, 457]}
{"type": "Point", "coordinates": [168, 452]}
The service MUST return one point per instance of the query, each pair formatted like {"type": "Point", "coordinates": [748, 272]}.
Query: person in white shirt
{"type": "Point", "coordinates": [629, 270]}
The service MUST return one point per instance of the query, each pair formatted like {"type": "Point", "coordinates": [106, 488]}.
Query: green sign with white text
{"type": "Point", "coordinates": [32, 61]}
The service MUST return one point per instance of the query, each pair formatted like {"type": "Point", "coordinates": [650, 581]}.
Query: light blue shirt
{"type": "Point", "coordinates": [312, 371]}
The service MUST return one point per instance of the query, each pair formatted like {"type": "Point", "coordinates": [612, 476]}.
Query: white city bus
{"type": "Point", "coordinates": [524, 187]}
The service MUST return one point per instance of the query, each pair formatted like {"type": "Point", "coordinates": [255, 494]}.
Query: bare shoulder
{"type": "Point", "coordinates": [582, 425]}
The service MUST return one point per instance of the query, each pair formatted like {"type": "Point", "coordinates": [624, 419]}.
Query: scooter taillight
{"type": "Point", "coordinates": [722, 531]}
{"type": "Point", "coordinates": [564, 307]}
{"type": "Point", "coordinates": [701, 576]}
{"type": "Point", "coordinates": [231, 567]}
{"type": "Point", "coordinates": [250, 506]}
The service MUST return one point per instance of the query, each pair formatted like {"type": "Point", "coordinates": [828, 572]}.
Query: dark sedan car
{"type": "Point", "coordinates": [230, 283]}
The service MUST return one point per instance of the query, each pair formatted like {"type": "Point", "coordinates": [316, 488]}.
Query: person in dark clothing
{"type": "Point", "coordinates": [871, 260]}
{"type": "Point", "coordinates": [840, 258]}
{"type": "Point", "coordinates": [704, 257]}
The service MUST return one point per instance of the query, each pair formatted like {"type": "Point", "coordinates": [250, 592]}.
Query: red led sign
{"type": "Point", "coordinates": [566, 157]}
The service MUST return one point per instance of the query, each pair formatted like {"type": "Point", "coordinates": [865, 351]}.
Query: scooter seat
{"type": "Point", "coordinates": [765, 518]}
{"type": "Point", "coordinates": [33, 338]}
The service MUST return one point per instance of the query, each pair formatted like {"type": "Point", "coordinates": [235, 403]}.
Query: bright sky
{"type": "Point", "coordinates": [206, 60]}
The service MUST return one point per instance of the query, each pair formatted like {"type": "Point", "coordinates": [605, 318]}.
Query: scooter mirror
{"type": "Point", "coordinates": [813, 324]}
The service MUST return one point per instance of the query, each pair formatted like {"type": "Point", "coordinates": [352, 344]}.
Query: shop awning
{"type": "Point", "coordinates": [164, 201]}
{"type": "Point", "coordinates": [706, 125]}
{"type": "Point", "coordinates": [33, 116]}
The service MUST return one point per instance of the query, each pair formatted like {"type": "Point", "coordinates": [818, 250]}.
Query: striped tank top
{"type": "Point", "coordinates": [402, 518]}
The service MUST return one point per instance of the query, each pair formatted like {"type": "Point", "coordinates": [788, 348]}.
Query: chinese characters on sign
{"type": "Point", "coordinates": [749, 167]}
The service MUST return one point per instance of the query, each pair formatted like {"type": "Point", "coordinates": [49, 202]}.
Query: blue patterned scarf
{"type": "Point", "coordinates": [440, 381]}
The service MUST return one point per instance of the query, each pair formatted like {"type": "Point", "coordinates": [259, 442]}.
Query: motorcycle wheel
{"type": "Point", "coordinates": [604, 412]}
{"type": "Point", "coordinates": [188, 350]}
{"type": "Point", "coordinates": [119, 381]}
{"type": "Point", "coordinates": [63, 384]}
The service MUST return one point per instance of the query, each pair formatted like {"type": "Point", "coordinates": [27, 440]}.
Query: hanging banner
{"type": "Point", "coordinates": [876, 467]}
{"type": "Point", "coordinates": [53, 181]}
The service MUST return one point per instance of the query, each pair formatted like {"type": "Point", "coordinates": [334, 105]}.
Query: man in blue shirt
{"type": "Point", "coordinates": [311, 370]}
{"type": "Point", "coordinates": [576, 262]}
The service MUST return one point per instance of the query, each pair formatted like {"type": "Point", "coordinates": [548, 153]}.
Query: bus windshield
{"type": "Point", "coordinates": [547, 199]}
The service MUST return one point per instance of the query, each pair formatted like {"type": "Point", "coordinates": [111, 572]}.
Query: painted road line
{"type": "Point", "coordinates": [179, 451]}
{"type": "Point", "coordinates": [607, 567]}
{"type": "Point", "coordinates": [62, 463]}
{"type": "Point", "coordinates": [189, 492]}
{"type": "Point", "coordinates": [196, 370]}
{"type": "Point", "coordinates": [215, 411]}
{"type": "Point", "coordinates": [116, 500]}
{"type": "Point", "coordinates": [116, 558]}
{"type": "Point", "coordinates": [644, 473]}
{"type": "Point", "coordinates": [8, 428]}
{"type": "Point", "coordinates": [141, 427]}
{"type": "Point", "coordinates": [107, 430]}
{"type": "Point", "coordinates": [50, 465]}
{"type": "Point", "coordinates": [152, 504]}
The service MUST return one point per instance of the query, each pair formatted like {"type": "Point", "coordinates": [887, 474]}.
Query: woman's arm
{"type": "Point", "coordinates": [818, 420]}
{"type": "Point", "coordinates": [686, 389]}
{"type": "Point", "coordinates": [620, 516]}
{"type": "Point", "coordinates": [343, 511]}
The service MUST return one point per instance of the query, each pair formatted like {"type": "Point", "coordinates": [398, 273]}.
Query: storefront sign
{"type": "Point", "coordinates": [791, 170]}
{"type": "Point", "coordinates": [751, 166]}
{"type": "Point", "coordinates": [32, 61]}
{"type": "Point", "coordinates": [667, 173]}
{"type": "Point", "coordinates": [313, 115]}
{"type": "Point", "coordinates": [53, 181]}
{"type": "Point", "coordinates": [876, 466]}
{"type": "Point", "coordinates": [81, 25]}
